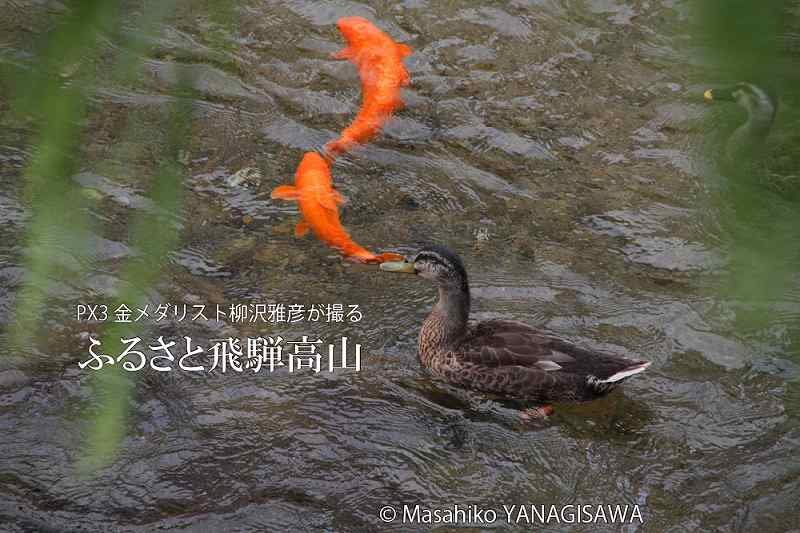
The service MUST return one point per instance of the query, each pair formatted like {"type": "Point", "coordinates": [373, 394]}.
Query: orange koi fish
{"type": "Point", "coordinates": [313, 190]}
{"type": "Point", "coordinates": [380, 65]}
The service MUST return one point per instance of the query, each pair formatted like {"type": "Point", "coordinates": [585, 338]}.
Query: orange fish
{"type": "Point", "coordinates": [313, 190]}
{"type": "Point", "coordinates": [380, 65]}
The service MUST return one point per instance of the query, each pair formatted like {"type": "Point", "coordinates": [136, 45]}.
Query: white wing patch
{"type": "Point", "coordinates": [548, 366]}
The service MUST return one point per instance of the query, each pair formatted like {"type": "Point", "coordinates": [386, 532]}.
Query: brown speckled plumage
{"type": "Point", "coordinates": [504, 357]}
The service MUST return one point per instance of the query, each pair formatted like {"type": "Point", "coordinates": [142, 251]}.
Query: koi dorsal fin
{"type": "Point", "coordinates": [285, 192]}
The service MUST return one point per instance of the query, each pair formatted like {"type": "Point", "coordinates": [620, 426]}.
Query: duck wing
{"type": "Point", "coordinates": [501, 343]}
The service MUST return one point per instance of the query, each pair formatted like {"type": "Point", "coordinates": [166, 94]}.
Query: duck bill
{"type": "Point", "coordinates": [722, 95]}
{"type": "Point", "coordinates": [402, 267]}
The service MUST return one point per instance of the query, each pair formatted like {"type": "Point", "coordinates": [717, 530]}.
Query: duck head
{"type": "Point", "coordinates": [447, 323]}
{"type": "Point", "coordinates": [746, 144]}
{"type": "Point", "coordinates": [437, 263]}
{"type": "Point", "coordinates": [759, 102]}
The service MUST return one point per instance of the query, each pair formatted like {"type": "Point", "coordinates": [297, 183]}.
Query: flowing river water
{"type": "Point", "coordinates": [549, 142]}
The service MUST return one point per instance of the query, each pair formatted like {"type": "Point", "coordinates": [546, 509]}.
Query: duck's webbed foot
{"type": "Point", "coordinates": [536, 413]}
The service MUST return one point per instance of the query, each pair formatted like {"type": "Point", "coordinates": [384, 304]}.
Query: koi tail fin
{"type": "Point", "coordinates": [336, 148]}
{"type": "Point", "coordinates": [386, 256]}
{"type": "Point", "coordinates": [344, 53]}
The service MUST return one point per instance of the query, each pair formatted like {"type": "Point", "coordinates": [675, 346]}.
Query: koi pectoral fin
{"type": "Point", "coordinates": [331, 200]}
{"type": "Point", "coordinates": [404, 50]}
{"type": "Point", "coordinates": [301, 229]}
{"type": "Point", "coordinates": [285, 192]}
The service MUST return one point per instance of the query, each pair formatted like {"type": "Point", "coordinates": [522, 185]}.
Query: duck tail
{"type": "Point", "coordinates": [626, 372]}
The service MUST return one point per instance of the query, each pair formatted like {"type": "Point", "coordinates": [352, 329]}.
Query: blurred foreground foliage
{"type": "Point", "coordinates": [759, 43]}
{"type": "Point", "coordinates": [94, 43]}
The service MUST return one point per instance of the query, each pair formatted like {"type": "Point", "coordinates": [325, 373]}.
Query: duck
{"type": "Point", "coordinates": [761, 105]}
{"type": "Point", "coordinates": [506, 358]}
{"type": "Point", "coordinates": [754, 151]}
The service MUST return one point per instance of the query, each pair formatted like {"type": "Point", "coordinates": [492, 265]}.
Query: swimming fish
{"type": "Point", "coordinates": [380, 65]}
{"type": "Point", "coordinates": [313, 191]}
